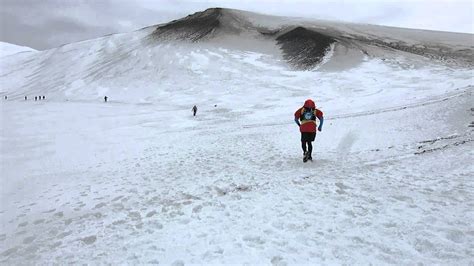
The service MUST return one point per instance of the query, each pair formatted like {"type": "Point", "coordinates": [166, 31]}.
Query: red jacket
{"type": "Point", "coordinates": [308, 123]}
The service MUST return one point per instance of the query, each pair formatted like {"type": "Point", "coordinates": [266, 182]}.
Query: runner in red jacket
{"type": "Point", "coordinates": [305, 118]}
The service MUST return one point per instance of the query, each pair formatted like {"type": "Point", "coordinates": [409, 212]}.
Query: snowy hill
{"type": "Point", "coordinates": [10, 49]}
{"type": "Point", "coordinates": [140, 180]}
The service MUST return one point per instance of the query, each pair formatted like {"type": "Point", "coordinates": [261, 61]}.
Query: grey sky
{"type": "Point", "coordinates": [44, 24]}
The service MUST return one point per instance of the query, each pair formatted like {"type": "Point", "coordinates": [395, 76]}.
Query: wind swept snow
{"type": "Point", "coordinates": [139, 180]}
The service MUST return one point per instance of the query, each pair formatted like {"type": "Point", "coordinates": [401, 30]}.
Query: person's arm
{"type": "Point", "coordinates": [297, 121]}
{"type": "Point", "coordinates": [321, 122]}
{"type": "Point", "coordinates": [297, 117]}
{"type": "Point", "coordinates": [320, 116]}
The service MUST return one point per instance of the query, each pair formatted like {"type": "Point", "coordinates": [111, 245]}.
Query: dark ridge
{"type": "Point", "coordinates": [193, 27]}
{"type": "Point", "coordinates": [303, 48]}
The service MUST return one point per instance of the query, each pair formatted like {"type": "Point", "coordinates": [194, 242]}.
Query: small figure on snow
{"type": "Point", "coordinates": [36, 98]}
{"type": "Point", "coordinates": [39, 98]}
{"type": "Point", "coordinates": [6, 97]}
{"type": "Point", "coordinates": [305, 118]}
{"type": "Point", "coordinates": [26, 98]}
{"type": "Point", "coordinates": [194, 110]}
{"type": "Point", "coordinates": [43, 97]}
{"type": "Point", "coordinates": [105, 98]}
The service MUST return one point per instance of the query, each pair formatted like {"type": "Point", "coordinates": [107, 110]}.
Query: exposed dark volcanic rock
{"type": "Point", "coordinates": [193, 27]}
{"type": "Point", "coordinates": [304, 44]}
{"type": "Point", "coordinates": [203, 25]}
{"type": "Point", "coordinates": [304, 48]}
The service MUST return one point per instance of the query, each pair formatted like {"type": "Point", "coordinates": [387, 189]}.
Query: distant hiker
{"type": "Point", "coordinates": [26, 98]}
{"type": "Point", "coordinates": [6, 97]}
{"type": "Point", "coordinates": [44, 97]}
{"type": "Point", "coordinates": [194, 110]}
{"type": "Point", "coordinates": [39, 98]}
{"type": "Point", "coordinates": [105, 98]}
{"type": "Point", "coordinates": [307, 115]}
{"type": "Point", "coordinates": [36, 98]}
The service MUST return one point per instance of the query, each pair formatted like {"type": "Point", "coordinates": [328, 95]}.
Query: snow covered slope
{"type": "Point", "coordinates": [139, 180]}
{"type": "Point", "coordinates": [10, 49]}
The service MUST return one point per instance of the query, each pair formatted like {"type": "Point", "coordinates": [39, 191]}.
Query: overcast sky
{"type": "Point", "coordinates": [43, 24]}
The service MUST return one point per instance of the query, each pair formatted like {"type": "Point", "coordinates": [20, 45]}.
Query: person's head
{"type": "Point", "coordinates": [309, 104]}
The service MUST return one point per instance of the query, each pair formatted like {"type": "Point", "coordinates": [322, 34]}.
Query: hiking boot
{"type": "Point", "coordinates": [305, 157]}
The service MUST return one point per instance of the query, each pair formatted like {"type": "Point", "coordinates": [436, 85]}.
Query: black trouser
{"type": "Point", "coordinates": [306, 139]}
{"type": "Point", "coordinates": [310, 147]}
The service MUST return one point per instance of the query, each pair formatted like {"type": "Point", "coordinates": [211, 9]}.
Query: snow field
{"type": "Point", "coordinates": [139, 180]}
{"type": "Point", "coordinates": [129, 183]}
